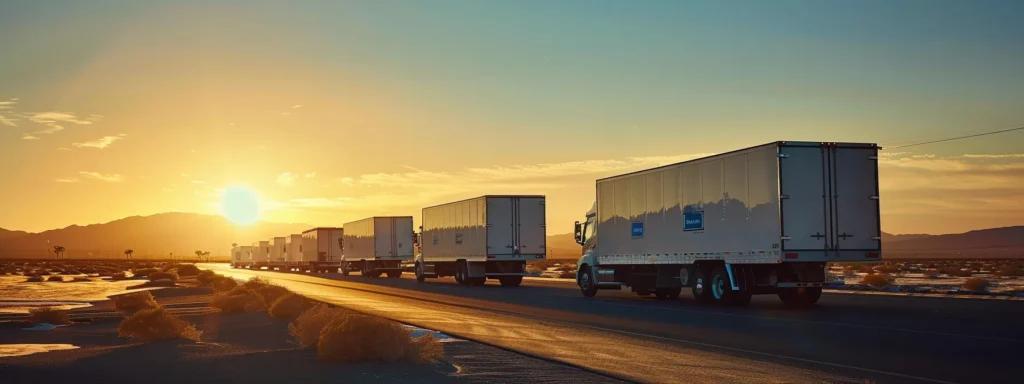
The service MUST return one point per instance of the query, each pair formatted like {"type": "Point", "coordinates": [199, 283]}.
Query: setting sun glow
{"type": "Point", "coordinates": [240, 205]}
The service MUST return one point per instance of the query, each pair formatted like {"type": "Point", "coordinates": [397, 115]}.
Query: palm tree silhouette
{"type": "Point", "coordinates": [199, 255]}
{"type": "Point", "coordinates": [207, 255]}
{"type": "Point", "coordinates": [58, 251]}
{"type": "Point", "coordinates": [128, 253]}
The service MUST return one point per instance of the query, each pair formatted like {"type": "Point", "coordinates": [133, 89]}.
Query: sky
{"type": "Point", "coordinates": [332, 111]}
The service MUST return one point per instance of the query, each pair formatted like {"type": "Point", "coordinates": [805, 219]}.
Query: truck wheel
{"type": "Point", "coordinates": [394, 274]}
{"type": "Point", "coordinates": [800, 297]}
{"type": "Point", "coordinates": [345, 270]}
{"type": "Point", "coordinates": [668, 293]}
{"type": "Point", "coordinates": [701, 286]}
{"type": "Point", "coordinates": [419, 272]}
{"type": "Point", "coordinates": [510, 281]}
{"type": "Point", "coordinates": [721, 287]}
{"type": "Point", "coordinates": [460, 273]}
{"type": "Point", "coordinates": [588, 286]}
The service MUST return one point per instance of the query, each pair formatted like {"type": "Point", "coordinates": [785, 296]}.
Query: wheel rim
{"type": "Point", "coordinates": [699, 286]}
{"type": "Point", "coordinates": [585, 281]}
{"type": "Point", "coordinates": [717, 286]}
{"type": "Point", "coordinates": [419, 270]}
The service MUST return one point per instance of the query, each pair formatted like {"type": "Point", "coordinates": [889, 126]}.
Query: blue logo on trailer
{"type": "Point", "coordinates": [693, 221]}
{"type": "Point", "coordinates": [637, 230]}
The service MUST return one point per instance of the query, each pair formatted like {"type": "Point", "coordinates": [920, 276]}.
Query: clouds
{"type": "Point", "coordinates": [100, 143]}
{"type": "Point", "coordinates": [7, 117]}
{"type": "Point", "coordinates": [27, 136]}
{"type": "Point", "coordinates": [64, 117]}
{"type": "Point", "coordinates": [111, 178]}
{"type": "Point", "coordinates": [67, 180]}
{"type": "Point", "coordinates": [286, 179]}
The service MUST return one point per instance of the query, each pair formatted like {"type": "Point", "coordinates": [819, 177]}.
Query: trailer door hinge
{"type": "Point", "coordinates": [783, 156]}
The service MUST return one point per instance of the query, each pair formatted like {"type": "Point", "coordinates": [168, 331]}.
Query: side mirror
{"type": "Point", "coordinates": [578, 232]}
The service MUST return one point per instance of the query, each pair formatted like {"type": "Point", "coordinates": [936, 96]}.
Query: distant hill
{"type": "Point", "coordinates": [890, 238]}
{"type": "Point", "coordinates": [149, 236]}
{"type": "Point", "coordinates": [563, 246]}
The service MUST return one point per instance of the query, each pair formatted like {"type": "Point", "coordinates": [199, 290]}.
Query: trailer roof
{"type": "Point", "coordinates": [314, 229]}
{"type": "Point", "coordinates": [485, 196]}
{"type": "Point", "coordinates": [775, 143]}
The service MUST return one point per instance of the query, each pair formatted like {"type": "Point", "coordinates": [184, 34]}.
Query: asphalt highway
{"type": "Point", "coordinates": [847, 338]}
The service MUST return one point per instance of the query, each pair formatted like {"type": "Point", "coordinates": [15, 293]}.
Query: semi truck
{"type": "Point", "coordinates": [488, 237]}
{"type": "Point", "coordinates": [321, 249]}
{"type": "Point", "coordinates": [277, 256]}
{"type": "Point", "coordinates": [761, 220]}
{"type": "Point", "coordinates": [293, 252]}
{"type": "Point", "coordinates": [260, 255]}
{"type": "Point", "coordinates": [241, 256]}
{"type": "Point", "coordinates": [377, 245]}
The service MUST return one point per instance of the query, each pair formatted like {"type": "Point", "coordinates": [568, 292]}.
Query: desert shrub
{"type": "Point", "coordinates": [55, 278]}
{"type": "Point", "coordinates": [134, 302]}
{"type": "Point", "coordinates": [47, 315]}
{"type": "Point", "coordinates": [169, 266]}
{"type": "Point", "coordinates": [206, 277]}
{"type": "Point", "coordinates": [187, 270]}
{"type": "Point", "coordinates": [289, 306]}
{"type": "Point", "coordinates": [221, 284]}
{"type": "Point", "coordinates": [164, 275]}
{"type": "Point", "coordinates": [239, 290]}
{"type": "Point", "coordinates": [877, 280]}
{"type": "Point", "coordinates": [118, 276]}
{"type": "Point", "coordinates": [80, 279]}
{"type": "Point", "coordinates": [956, 272]}
{"type": "Point", "coordinates": [865, 268]}
{"type": "Point", "coordinates": [362, 338]}
{"type": "Point", "coordinates": [307, 327]}
{"type": "Point", "coordinates": [976, 284]}
{"type": "Point", "coordinates": [155, 324]}
{"type": "Point", "coordinates": [34, 279]}
{"type": "Point", "coordinates": [1009, 270]}
{"type": "Point", "coordinates": [143, 272]}
{"type": "Point", "coordinates": [255, 283]}
{"type": "Point", "coordinates": [566, 274]}
{"type": "Point", "coordinates": [887, 268]}
{"type": "Point", "coordinates": [271, 293]}
{"type": "Point", "coordinates": [238, 303]}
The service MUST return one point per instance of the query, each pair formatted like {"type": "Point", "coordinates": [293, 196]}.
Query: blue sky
{"type": "Point", "coordinates": [471, 84]}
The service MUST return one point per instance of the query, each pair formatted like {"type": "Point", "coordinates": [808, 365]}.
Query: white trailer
{"type": "Point", "coordinates": [377, 245]}
{"type": "Point", "coordinates": [321, 249]}
{"type": "Point", "coordinates": [762, 220]}
{"type": "Point", "coordinates": [260, 255]}
{"type": "Point", "coordinates": [277, 256]}
{"type": "Point", "coordinates": [293, 251]}
{"type": "Point", "coordinates": [485, 237]}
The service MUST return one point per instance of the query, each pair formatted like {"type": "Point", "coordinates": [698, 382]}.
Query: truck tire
{"type": "Point", "coordinates": [668, 293]}
{"type": "Point", "coordinates": [345, 270]}
{"type": "Point", "coordinates": [419, 272]}
{"type": "Point", "coordinates": [588, 286]}
{"type": "Point", "coordinates": [394, 274]}
{"type": "Point", "coordinates": [701, 286]}
{"type": "Point", "coordinates": [800, 297]}
{"type": "Point", "coordinates": [510, 281]}
{"type": "Point", "coordinates": [721, 287]}
{"type": "Point", "coordinates": [460, 273]}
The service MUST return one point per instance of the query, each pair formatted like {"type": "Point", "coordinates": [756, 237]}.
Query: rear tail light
{"type": "Point", "coordinates": [792, 255]}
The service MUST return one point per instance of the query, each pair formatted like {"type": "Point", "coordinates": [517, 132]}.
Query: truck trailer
{"type": "Point", "coordinates": [485, 237]}
{"type": "Point", "coordinates": [241, 256]}
{"type": "Point", "coordinates": [761, 220]}
{"type": "Point", "coordinates": [377, 245]}
{"type": "Point", "coordinates": [293, 252]}
{"type": "Point", "coordinates": [321, 249]}
{"type": "Point", "coordinates": [260, 255]}
{"type": "Point", "coordinates": [277, 256]}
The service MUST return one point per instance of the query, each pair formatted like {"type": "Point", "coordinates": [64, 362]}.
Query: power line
{"type": "Point", "coordinates": [957, 138]}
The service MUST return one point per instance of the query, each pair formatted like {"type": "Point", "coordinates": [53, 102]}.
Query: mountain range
{"type": "Point", "coordinates": [182, 234]}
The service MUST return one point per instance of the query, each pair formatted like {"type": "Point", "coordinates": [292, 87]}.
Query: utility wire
{"type": "Point", "coordinates": [956, 138]}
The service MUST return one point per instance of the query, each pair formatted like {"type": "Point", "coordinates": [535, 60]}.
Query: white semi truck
{"type": "Point", "coordinates": [241, 256]}
{"type": "Point", "coordinates": [293, 252]}
{"type": "Point", "coordinates": [260, 255]}
{"type": "Point", "coordinates": [480, 238]}
{"type": "Point", "coordinates": [377, 245]}
{"type": "Point", "coordinates": [321, 249]}
{"type": "Point", "coordinates": [762, 220]}
{"type": "Point", "coordinates": [277, 256]}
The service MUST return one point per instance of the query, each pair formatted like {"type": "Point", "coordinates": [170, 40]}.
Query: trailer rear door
{"type": "Point", "coordinates": [530, 225]}
{"type": "Point", "coordinates": [384, 236]}
{"type": "Point", "coordinates": [855, 198]}
{"type": "Point", "coordinates": [500, 234]}
{"type": "Point", "coordinates": [803, 203]}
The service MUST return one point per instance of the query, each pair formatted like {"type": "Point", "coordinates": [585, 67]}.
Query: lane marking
{"type": "Point", "coordinates": [734, 349]}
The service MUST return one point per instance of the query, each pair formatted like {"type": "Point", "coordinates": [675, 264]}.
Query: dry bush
{"type": "Point", "coordinates": [187, 270]}
{"type": "Point", "coordinates": [47, 315]}
{"type": "Point", "coordinates": [271, 293]}
{"type": "Point", "coordinates": [289, 306]}
{"type": "Point", "coordinates": [354, 338]}
{"type": "Point", "coordinates": [80, 279]}
{"type": "Point", "coordinates": [206, 277]}
{"type": "Point", "coordinates": [956, 272]}
{"type": "Point", "coordinates": [143, 272]}
{"type": "Point", "coordinates": [887, 268]}
{"type": "Point", "coordinates": [1009, 270]}
{"type": "Point", "coordinates": [238, 303]}
{"type": "Point", "coordinates": [307, 327]}
{"type": "Point", "coordinates": [157, 324]}
{"type": "Point", "coordinates": [166, 275]}
{"type": "Point", "coordinates": [118, 276]}
{"type": "Point", "coordinates": [877, 280]}
{"type": "Point", "coordinates": [34, 279]}
{"type": "Point", "coordinates": [976, 284]}
{"type": "Point", "coordinates": [55, 278]}
{"type": "Point", "coordinates": [134, 302]}
{"type": "Point", "coordinates": [255, 283]}
{"type": "Point", "coordinates": [221, 284]}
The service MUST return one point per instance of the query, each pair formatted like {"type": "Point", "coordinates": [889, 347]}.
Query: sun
{"type": "Point", "coordinates": [240, 205]}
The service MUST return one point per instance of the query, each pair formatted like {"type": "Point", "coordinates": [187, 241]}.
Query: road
{"type": "Point", "coordinates": [848, 338]}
